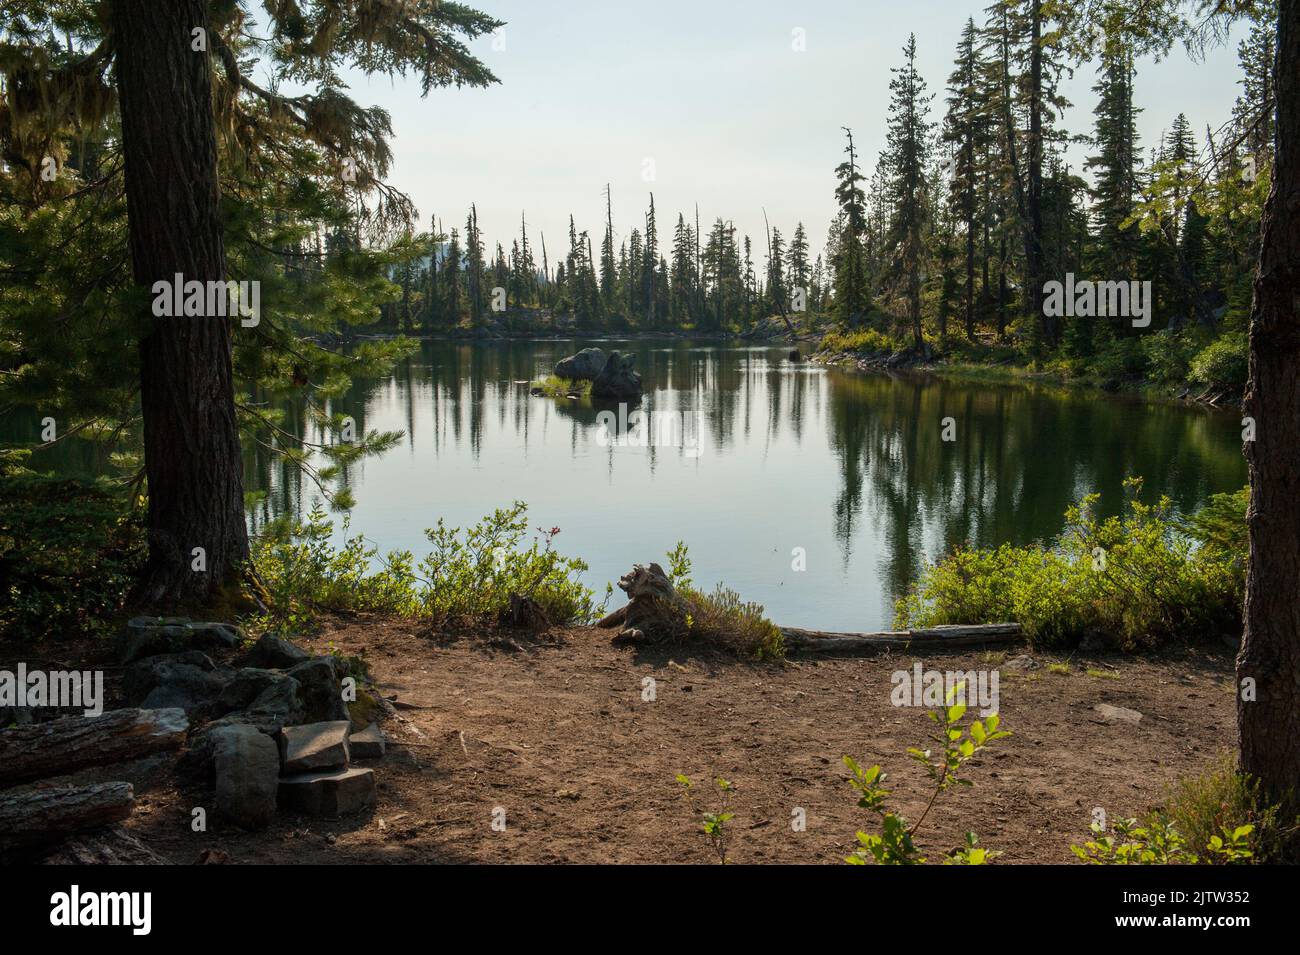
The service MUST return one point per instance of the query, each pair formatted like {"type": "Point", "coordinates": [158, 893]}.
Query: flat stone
{"type": "Point", "coordinates": [1117, 714]}
{"type": "Point", "coordinates": [247, 766]}
{"type": "Point", "coordinates": [334, 793]}
{"type": "Point", "coordinates": [368, 743]}
{"type": "Point", "coordinates": [314, 746]}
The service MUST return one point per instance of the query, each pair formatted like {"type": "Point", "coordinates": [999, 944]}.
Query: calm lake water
{"type": "Point", "coordinates": [758, 456]}
{"type": "Point", "coordinates": [762, 456]}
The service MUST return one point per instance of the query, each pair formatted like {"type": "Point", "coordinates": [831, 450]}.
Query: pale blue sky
{"type": "Point", "coordinates": [713, 92]}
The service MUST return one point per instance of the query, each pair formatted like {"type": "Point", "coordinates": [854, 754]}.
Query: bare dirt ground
{"type": "Point", "coordinates": [558, 735]}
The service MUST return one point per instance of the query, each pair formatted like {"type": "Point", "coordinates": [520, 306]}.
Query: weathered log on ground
{"type": "Point", "coordinates": [955, 637]}
{"type": "Point", "coordinates": [34, 815]}
{"type": "Point", "coordinates": [65, 745]}
{"type": "Point", "coordinates": [113, 846]}
{"type": "Point", "coordinates": [654, 612]}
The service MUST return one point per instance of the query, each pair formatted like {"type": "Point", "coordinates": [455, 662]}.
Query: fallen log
{"type": "Point", "coordinates": [65, 745]}
{"type": "Point", "coordinates": [113, 846]}
{"type": "Point", "coordinates": [954, 637]}
{"type": "Point", "coordinates": [39, 814]}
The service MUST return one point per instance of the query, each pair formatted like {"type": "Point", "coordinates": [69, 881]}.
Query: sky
{"type": "Point", "coordinates": [704, 102]}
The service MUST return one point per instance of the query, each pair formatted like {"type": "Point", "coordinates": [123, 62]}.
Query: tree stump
{"type": "Point", "coordinates": [655, 611]}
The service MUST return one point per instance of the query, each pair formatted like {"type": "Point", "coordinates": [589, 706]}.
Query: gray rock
{"type": "Point", "coordinates": [246, 686]}
{"type": "Point", "coordinates": [617, 381]}
{"type": "Point", "coordinates": [184, 685]}
{"type": "Point", "coordinates": [280, 704]}
{"type": "Point", "coordinates": [1117, 714]}
{"type": "Point", "coordinates": [584, 366]}
{"type": "Point", "coordinates": [368, 743]}
{"type": "Point", "coordinates": [322, 700]}
{"type": "Point", "coordinates": [272, 652]}
{"type": "Point", "coordinates": [1022, 662]}
{"type": "Point", "coordinates": [247, 768]}
{"type": "Point", "coordinates": [150, 636]}
{"type": "Point", "coordinates": [333, 793]}
{"type": "Point", "coordinates": [144, 675]}
{"type": "Point", "coordinates": [314, 746]}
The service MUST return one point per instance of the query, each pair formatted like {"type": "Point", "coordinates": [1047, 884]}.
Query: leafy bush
{"type": "Point", "coordinates": [865, 341]}
{"type": "Point", "coordinates": [721, 618]}
{"type": "Point", "coordinates": [1158, 841]}
{"type": "Point", "coordinates": [1169, 355]}
{"type": "Point", "coordinates": [893, 845]}
{"type": "Point", "coordinates": [1223, 364]}
{"type": "Point", "coordinates": [712, 824]}
{"type": "Point", "coordinates": [1136, 577]}
{"type": "Point", "coordinates": [469, 575]}
{"type": "Point", "coordinates": [1119, 359]}
{"type": "Point", "coordinates": [69, 553]}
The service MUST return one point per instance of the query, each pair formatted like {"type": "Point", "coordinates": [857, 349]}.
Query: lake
{"type": "Point", "coordinates": [761, 465]}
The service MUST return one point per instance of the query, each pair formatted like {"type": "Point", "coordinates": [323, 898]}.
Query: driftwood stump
{"type": "Point", "coordinates": [655, 611]}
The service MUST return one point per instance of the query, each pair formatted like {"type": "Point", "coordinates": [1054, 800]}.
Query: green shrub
{"type": "Point", "coordinates": [1223, 364]}
{"type": "Point", "coordinates": [554, 387]}
{"type": "Point", "coordinates": [69, 553]}
{"type": "Point", "coordinates": [861, 341]}
{"type": "Point", "coordinates": [1158, 841]}
{"type": "Point", "coordinates": [1137, 578]}
{"type": "Point", "coordinates": [1169, 355]}
{"type": "Point", "coordinates": [955, 746]}
{"type": "Point", "coordinates": [1225, 800]}
{"type": "Point", "coordinates": [1118, 360]}
{"type": "Point", "coordinates": [467, 575]}
{"type": "Point", "coordinates": [721, 618]}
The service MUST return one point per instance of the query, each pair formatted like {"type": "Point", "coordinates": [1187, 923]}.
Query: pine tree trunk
{"type": "Point", "coordinates": [191, 439]}
{"type": "Point", "coordinates": [1034, 238]}
{"type": "Point", "coordinates": [1270, 655]}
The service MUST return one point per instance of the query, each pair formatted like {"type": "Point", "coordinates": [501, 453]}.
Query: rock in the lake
{"type": "Point", "coordinates": [314, 746]}
{"type": "Point", "coordinates": [617, 381]}
{"type": "Point", "coordinates": [150, 636]}
{"type": "Point", "coordinates": [584, 366]}
{"type": "Point", "coordinates": [330, 793]}
{"type": "Point", "coordinates": [275, 653]}
{"type": "Point", "coordinates": [368, 743]}
{"type": "Point", "coordinates": [322, 699]}
{"type": "Point", "coordinates": [247, 769]}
